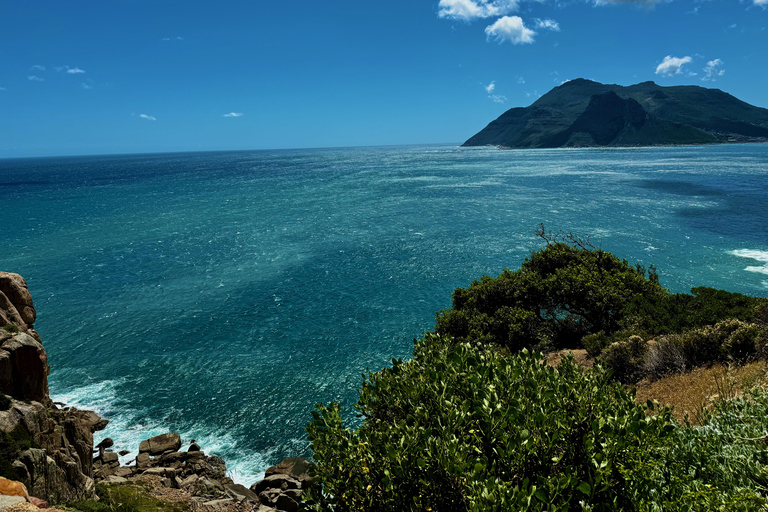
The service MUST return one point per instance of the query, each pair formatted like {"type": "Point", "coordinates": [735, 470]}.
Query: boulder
{"type": "Point", "coordinates": [295, 467]}
{"type": "Point", "coordinates": [9, 501]}
{"type": "Point", "coordinates": [241, 493]}
{"type": "Point", "coordinates": [280, 482]}
{"type": "Point", "coordinates": [160, 444]}
{"type": "Point", "coordinates": [38, 502]}
{"type": "Point", "coordinates": [26, 365]}
{"type": "Point", "coordinates": [14, 287]}
{"type": "Point", "coordinates": [12, 488]}
{"type": "Point", "coordinates": [286, 503]}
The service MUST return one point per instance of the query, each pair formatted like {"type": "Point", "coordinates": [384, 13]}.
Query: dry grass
{"type": "Point", "coordinates": [688, 393]}
{"type": "Point", "coordinates": [580, 357]}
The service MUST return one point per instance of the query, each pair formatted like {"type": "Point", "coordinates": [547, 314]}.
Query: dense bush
{"type": "Point", "coordinates": [677, 313]}
{"type": "Point", "coordinates": [727, 341]}
{"type": "Point", "coordinates": [559, 295]}
{"type": "Point", "coordinates": [721, 465]}
{"type": "Point", "coordinates": [463, 427]}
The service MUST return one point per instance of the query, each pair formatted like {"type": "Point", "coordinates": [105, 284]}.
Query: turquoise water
{"type": "Point", "coordinates": [221, 295]}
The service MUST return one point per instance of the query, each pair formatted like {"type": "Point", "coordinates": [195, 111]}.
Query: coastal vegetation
{"type": "Point", "coordinates": [476, 420]}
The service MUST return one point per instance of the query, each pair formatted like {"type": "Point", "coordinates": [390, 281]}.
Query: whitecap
{"type": "Point", "coordinates": [761, 256]}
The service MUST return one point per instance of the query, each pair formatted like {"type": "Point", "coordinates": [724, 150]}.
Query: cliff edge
{"type": "Point", "coordinates": [47, 448]}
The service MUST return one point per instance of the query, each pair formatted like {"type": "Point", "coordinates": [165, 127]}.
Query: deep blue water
{"type": "Point", "coordinates": [221, 295]}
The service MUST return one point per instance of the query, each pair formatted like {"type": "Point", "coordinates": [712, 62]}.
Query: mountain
{"type": "Point", "coordinates": [585, 113]}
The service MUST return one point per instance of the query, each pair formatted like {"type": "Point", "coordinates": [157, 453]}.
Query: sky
{"type": "Point", "coordinates": [135, 76]}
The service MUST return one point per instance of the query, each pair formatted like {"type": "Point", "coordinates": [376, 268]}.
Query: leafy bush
{"type": "Point", "coordinates": [559, 295]}
{"type": "Point", "coordinates": [11, 329]}
{"type": "Point", "coordinates": [625, 358]}
{"type": "Point", "coordinates": [721, 465]}
{"type": "Point", "coordinates": [463, 427]}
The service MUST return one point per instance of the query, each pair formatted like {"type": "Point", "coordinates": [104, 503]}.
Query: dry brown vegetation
{"type": "Point", "coordinates": [687, 393]}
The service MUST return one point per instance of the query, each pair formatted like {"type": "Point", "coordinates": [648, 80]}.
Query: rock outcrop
{"type": "Point", "coordinates": [47, 448]}
{"type": "Point", "coordinates": [204, 477]}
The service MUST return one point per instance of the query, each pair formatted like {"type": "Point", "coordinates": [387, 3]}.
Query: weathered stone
{"type": "Point", "coordinates": [142, 460]}
{"type": "Point", "coordinates": [107, 442]}
{"type": "Point", "coordinates": [269, 496]}
{"type": "Point", "coordinates": [286, 504]}
{"type": "Point", "coordinates": [219, 504]}
{"type": "Point", "coordinates": [110, 457]}
{"type": "Point", "coordinates": [159, 444]}
{"type": "Point", "coordinates": [29, 368]}
{"type": "Point", "coordinates": [173, 457]}
{"type": "Point", "coordinates": [293, 493]}
{"type": "Point", "coordinates": [169, 472]}
{"type": "Point", "coordinates": [189, 481]}
{"type": "Point", "coordinates": [123, 453]}
{"type": "Point", "coordinates": [193, 447]}
{"type": "Point", "coordinates": [38, 502]}
{"type": "Point", "coordinates": [278, 481]}
{"type": "Point", "coordinates": [114, 479]}
{"type": "Point", "coordinates": [123, 472]}
{"type": "Point", "coordinates": [241, 493]}
{"type": "Point", "coordinates": [296, 467]}
{"type": "Point", "coordinates": [9, 501]}
{"type": "Point", "coordinates": [12, 488]}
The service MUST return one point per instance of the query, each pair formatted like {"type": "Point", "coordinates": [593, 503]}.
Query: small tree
{"type": "Point", "coordinates": [560, 294]}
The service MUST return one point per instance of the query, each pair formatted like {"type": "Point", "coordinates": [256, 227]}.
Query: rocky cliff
{"type": "Point", "coordinates": [48, 448]}
{"type": "Point", "coordinates": [586, 113]}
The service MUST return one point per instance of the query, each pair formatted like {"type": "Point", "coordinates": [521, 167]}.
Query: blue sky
{"type": "Point", "coordinates": [119, 76]}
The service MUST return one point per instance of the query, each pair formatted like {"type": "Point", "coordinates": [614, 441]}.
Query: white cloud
{"type": "Point", "coordinates": [34, 78]}
{"type": "Point", "coordinates": [145, 116]}
{"type": "Point", "coordinates": [712, 70]}
{"type": "Point", "coordinates": [497, 98]}
{"type": "Point", "coordinates": [672, 65]}
{"type": "Point", "coordinates": [37, 67]}
{"type": "Point", "coordinates": [642, 3]}
{"type": "Point", "coordinates": [471, 9]}
{"type": "Point", "coordinates": [520, 80]}
{"type": "Point", "coordinates": [763, 3]}
{"type": "Point", "coordinates": [177, 38]}
{"type": "Point", "coordinates": [3, 89]}
{"type": "Point", "coordinates": [548, 24]}
{"type": "Point", "coordinates": [490, 87]}
{"type": "Point", "coordinates": [74, 71]}
{"type": "Point", "coordinates": [510, 28]}
{"type": "Point", "coordinates": [86, 86]}
{"type": "Point", "coordinates": [234, 114]}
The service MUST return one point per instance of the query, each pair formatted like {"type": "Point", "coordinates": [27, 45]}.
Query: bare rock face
{"type": "Point", "coordinates": [16, 302]}
{"type": "Point", "coordinates": [55, 458]}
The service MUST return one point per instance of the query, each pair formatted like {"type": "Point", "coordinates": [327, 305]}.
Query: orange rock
{"type": "Point", "coordinates": [12, 488]}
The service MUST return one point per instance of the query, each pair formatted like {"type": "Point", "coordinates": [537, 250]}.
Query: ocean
{"type": "Point", "coordinates": [222, 295]}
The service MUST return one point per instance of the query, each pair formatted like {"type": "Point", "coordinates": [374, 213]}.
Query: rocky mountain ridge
{"type": "Point", "coordinates": [583, 113]}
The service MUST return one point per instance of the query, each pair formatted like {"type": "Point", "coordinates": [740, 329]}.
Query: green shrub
{"type": "Point", "coordinates": [721, 465]}
{"type": "Point", "coordinates": [595, 343]}
{"type": "Point", "coordinates": [11, 329]}
{"type": "Point", "coordinates": [626, 358]}
{"type": "Point", "coordinates": [559, 295]}
{"type": "Point", "coordinates": [463, 427]}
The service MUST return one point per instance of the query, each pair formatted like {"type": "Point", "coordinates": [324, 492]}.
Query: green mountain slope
{"type": "Point", "coordinates": [586, 113]}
